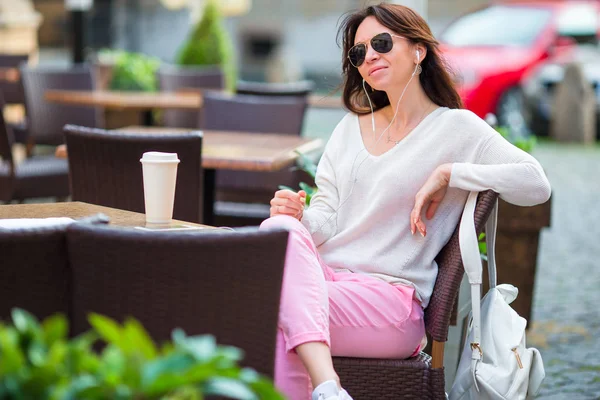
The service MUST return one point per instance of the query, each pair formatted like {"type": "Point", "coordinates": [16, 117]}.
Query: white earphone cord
{"type": "Point", "coordinates": [364, 148]}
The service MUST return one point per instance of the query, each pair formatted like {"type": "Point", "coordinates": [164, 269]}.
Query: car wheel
{"type": "Point", "coordinates": [511, 113]}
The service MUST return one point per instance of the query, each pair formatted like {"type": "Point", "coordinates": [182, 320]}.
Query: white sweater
{"type": "Point", "coordinates": [364, 227]}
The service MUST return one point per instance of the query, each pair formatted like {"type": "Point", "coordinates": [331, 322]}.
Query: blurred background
{"type": "Point", "coordinates": [530, 68]}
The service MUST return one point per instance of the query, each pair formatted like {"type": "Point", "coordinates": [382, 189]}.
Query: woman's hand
{"type": "Point", "coordinates": [289, 203]}
{"type": "Point", "coordinates": [430, 195]}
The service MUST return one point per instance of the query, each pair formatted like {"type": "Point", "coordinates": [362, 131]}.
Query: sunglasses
{"type": "Point", "coordinates": [381, 43]}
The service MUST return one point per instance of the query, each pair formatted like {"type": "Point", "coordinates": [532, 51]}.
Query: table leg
{"type": "Point", "coordinates": [148, 118]}
{"type": "Point", "coordinates": [208, 203]}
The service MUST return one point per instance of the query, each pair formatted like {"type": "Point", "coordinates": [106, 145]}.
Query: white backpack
{"type": "Point", "coordinates": [495, 362]}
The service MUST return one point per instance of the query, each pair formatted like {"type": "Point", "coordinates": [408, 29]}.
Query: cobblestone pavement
{"type": "Point", "coordinates": [566, 309]}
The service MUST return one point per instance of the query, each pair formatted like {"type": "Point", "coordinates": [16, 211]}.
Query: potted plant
{"type": "Point", "coordinates": [209, 44]}
{"type": "Point", "coordinates": [120, 70]}
{"type": "Point", "coordinates": [39, 361]}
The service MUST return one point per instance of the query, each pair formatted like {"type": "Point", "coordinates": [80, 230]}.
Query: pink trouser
{"type": "Point", "coordinates": [356, 315]}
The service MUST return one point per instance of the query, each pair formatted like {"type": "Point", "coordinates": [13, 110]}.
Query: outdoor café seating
{"type": "Point", "coordinates": [45, 120]}
{"type": "Point", "coordinates": [35, 177]}
{"type": "Point", "coordinates": [178, 78]}
{"type": "Point", "coordinates": [294, 89]}
{"type": "Point", "coordinates": [260, 114]}
{"type": "Point", "coordinates": [105, 168]}
{"type": "Point", "coordinates": [200, 281]}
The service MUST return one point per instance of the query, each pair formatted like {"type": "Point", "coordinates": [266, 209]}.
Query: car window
{"type": "Point", "coordinates": [580, 22]}
{"type": "Point", "coordinates": [497, 26]}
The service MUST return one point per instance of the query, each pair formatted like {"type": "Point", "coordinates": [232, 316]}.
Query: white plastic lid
{"type": "Point", "coordinates": [157, 156]}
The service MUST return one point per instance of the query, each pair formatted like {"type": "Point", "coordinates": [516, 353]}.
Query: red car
{"type": "Point", "coordinates": [493, 47]}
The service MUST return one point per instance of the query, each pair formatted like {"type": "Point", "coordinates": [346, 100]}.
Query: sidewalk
{"type": "Point", "coordinates": [566, 310]}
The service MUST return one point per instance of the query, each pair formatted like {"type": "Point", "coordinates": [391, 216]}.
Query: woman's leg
{"type": "Point", "coordinates": [365, 316]}
{"type": "Point", "coordinates": [304, 314]}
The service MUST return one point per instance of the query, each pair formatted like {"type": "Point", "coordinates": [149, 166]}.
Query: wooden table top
{"type": "Point", "coordinates": [77, 209]}
{"type": "Point", "coordinates": [9, 74]}
{"type": "Point", "coordinates": [242, 151]}
{"type": "Point", "coordinates": [184, 100]}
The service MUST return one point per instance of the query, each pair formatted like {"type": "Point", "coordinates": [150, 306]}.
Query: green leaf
{"type": "Point", "coordinates": [202, 348]}
{"type": "Point", "coordinates": [228, 387]}
{"type": "Point", "coordinates": [108, 329]}
{"type": "Point", "coordinates": [25, 321]}
{"type": "Point", "coordinates": [137, 335]}
{"type": "Point", "coordinates": [157, 374]}
{"type": "Point", "coordinates": [11, 356]}
{"type": "Point", "coordinates": [55, 328]}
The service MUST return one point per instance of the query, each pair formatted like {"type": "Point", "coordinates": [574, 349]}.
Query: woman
{"type": "Point", "coordinates": [392, 184]}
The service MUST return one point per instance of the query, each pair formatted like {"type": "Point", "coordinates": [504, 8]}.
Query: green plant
{"type": "Point", "coordinates": [209, 44]}
{"type": "Point", "coordinates": [525, 144]}
{"type": "Point", "coordinates": [131, 71]}
{"type": "Point", "coordinates": [307, 165]}
{"type": "Point", "coordinates": [39, 361]}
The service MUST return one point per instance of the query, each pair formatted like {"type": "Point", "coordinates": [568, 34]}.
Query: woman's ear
{"type": "Point", "coordinates": [420, 53]}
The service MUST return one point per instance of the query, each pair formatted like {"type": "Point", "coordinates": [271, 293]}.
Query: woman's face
{"type": "Point", "coordinates": [385, 70]}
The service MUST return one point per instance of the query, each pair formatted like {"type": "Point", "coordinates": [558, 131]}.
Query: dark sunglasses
{"type": "Point", "coordinates": [381, 43]}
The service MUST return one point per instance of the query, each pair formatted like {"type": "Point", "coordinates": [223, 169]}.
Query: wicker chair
{"type": "Point", "coordinates": [420, 377]}
{"type": "Point", "coordinates": [236, 190]}
{"type": "Point", "coordinates": [173, 79]}
{"type": "Point", "coordinates": [105, 168]}
{"type": "Point", "coordinates": [34, 177]}
{"type": "Point", "coordinates": [296, 89]}
{"type": "Point", "coordinates": [13, 91]}
{"type": "Point", "coordinates": [45, 120]}
{"type": "Point", "coordinates": [34, 274]}
{"type": "Point", "coordinates": [224, 283]}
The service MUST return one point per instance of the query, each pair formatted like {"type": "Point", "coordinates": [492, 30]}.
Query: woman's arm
{"type": "Point", "coordinates": [507, 170]}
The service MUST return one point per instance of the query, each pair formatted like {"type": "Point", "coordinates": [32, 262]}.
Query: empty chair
{"type": "Point", "coordinates": [174, 79]}
{"type": "Point", "coordinates": [34, 177]}
{"type": "Point", "coordinates": [13, 91]}
{"type": "Point", "coordinates": [34, 274]}
{"type": "Point", "coordinates": [219, 282]}
{"type": "Point", "coordinates": [250, 113]}
{"type": "Point", "coordinates": [300, 88]}
{"type": "Point", "coordinates": [45, 120]}
{"type": "Point", "coordinates": [420, 377]}
{"type": "Point", "coordinates": [266, 114]}
{"type": "Point", "coordinates": [105, 168]}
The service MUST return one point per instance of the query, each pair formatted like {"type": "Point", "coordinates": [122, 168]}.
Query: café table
{"type": "Point", "coordinates": [240, 151]}
{"type": "Point", "coordinates": [78, 209]}
{"type": "Point", "coordinates": [146, 102]}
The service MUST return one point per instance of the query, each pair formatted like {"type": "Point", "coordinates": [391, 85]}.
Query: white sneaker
{"type": "Point", "coordinates": [329, 390]}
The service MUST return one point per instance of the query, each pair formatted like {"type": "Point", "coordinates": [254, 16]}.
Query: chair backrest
{"type": "Point", "coordinates": [219, 282]}
{"type": "Point", "coordinates": [173, 79]}
{"type": "Point", "coordinates": [105, 168]}
{"type": "Point", "coordinates": [6, 135]}
{"type": "Point", "coordinates": [263, 114]}
{"type": "Point", "coordinates": [249, 113]}
{"type": "Point", "coordinates": [300, 88]}
{"type": "Point", "coordinates": [450, 273]}
{"type": "Point", "coordinates": [34, 274]}
{"type": "Point", "coordinates": [46, 120]}
{"type": "Point", "coordinates": [7, 171]}
{"type": "Point", "coordinates": [13, 91]}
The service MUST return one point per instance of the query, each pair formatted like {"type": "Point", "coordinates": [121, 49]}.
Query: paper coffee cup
{"type": "Point", "coordinates": [160, 177]}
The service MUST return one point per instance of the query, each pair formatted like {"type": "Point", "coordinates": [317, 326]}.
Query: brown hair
{"type": "Point", "coordinates": [435, 76]}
